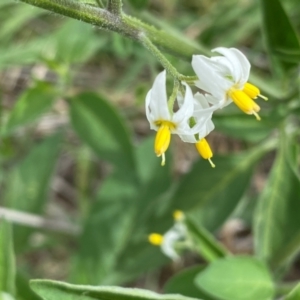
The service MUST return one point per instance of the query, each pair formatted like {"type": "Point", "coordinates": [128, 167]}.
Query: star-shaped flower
{"type": "Point", "coordinates": [225, 78]}
{"type": "Point", "coordinates": [203, 125]}
{"type": "Point", "coordinates": [175, 237]}
{"type": "Point", "coordinates": [163, 119]}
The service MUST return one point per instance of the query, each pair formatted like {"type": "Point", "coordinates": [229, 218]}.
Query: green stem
{"type": "Point", "coordinates": [115, 7]}
{"type": "Point", "coordinates": [126, 26]}
{"type": "Point", "coordinates": [173, 96]}
{"type": "Point", "coordinates": [189, 79]}
{"type": "Point", "coordinates": [100, 3]}
{"type": "Point", "coordinates": [160, 57]}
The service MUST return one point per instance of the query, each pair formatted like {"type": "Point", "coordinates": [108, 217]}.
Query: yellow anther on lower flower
{"type": "Point", "coordinates": [155, 239]}
{"type": "Point", "coordinates": [252, 91]}
{"type": "Point", "coordinates": [162, 141]}
{"type": "Point", "coordinates": [205, 150]}
{"type": "Point", "coordinates": [178, 215]}
{"type": "Point", "coordinates": [244, 102]}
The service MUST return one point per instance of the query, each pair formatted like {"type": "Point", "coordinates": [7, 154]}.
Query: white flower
{"type": "Point", "coordinates": [203, 125]}
{"type": "Point", "coordinates": [169, 241]}
{"type": "Point", "coordinates": [164, 121]}
{"type": "Point", "coordinates": [174, 235]}
{"type": "Point", "coordinates": [225, 78]}
{"type": "Point", "coordinates": [202, 116]}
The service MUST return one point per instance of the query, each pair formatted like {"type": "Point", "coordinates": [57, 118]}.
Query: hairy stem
{"type": "Point", "coordinates": [115, 7]}
{"type": "Point", "coordinates": [160, 57]}
{"type": "Point", "coordinates": [127, 26]}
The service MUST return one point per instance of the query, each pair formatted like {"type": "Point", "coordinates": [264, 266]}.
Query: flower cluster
{"type": "Point", "coordinates": [174, 240]}
{"type": "Point", "coordinates": [222, 79]}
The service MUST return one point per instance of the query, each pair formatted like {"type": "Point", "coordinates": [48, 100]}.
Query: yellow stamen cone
{"type": "Point", "coordinates": [205, 150]}
{"type": "Point", "coordinates": [162, 141]}
{"type": "Point", "coordinates": [245, 103]}
{"type": "Point", "coordinates": [178, 215]}
{"type": "Point", "coordinates": [155, 239]}
{"type": "Point", "coordinates": [252, 91]}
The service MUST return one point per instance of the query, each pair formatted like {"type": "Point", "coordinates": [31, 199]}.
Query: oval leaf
{"type": "Point", "coordinates": [237, 278]}
{"type": "Point", "coordinates": [53, 290]}
{"type": "Point", "coordinates": [183, 283]}
{"type": "Point", "coordinates": [102, 128]}
{"type": "Point", "coordinates": [31, 105]}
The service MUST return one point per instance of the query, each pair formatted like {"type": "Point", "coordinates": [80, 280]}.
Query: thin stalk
{"type": "Point", "coordinates": [160, 57]}
{"type": "Point", "coordinates": [100, 3]}
{"type": "Point", "coordinates": [173, 96]}
{"type": "Point", "coordinates": [115, 7]}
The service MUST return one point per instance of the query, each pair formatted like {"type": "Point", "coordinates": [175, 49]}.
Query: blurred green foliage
{"type": "Point", "coordinates": [93, 85]}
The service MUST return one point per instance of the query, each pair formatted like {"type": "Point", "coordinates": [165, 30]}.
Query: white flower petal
{"type": "Point", "coordinates": [149, 114]}
{"type": "Point", "coordinates": [176, 233]}
{"type": "Point", "coordinates": [188, 138]}
{"type": "Point", "coordinates": [201, 101]}
{"type": "Point", "coordinates": [224, 67]}
{"type": "Point", "coordinates": [206, 129]}
{"type": "Point", "coordinates": [236, 68]}
{"type": "Point", "coordinates": [159, 102]}
{"type": "Point", "coordinates": [186, 109]}
{"type": "Point", "coordinates": [241, 65]}
{"type": "Point", "coordinates": [245, 66]}
{"type": "Point", "coordinates": [168, 245]}
{"type": "Point", "coordinates": [210, 80]}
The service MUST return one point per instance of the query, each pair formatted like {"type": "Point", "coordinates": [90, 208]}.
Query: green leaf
{"type": "Point", "coordinates": [29, 182]}
{"type": "Point", "coordinates": [31, 105]}
{"type": "Point", "coordinates": [207, 246]}
{"type": "Point", "coordinates": [211, 194]}
{"type": "Point", "coordinates": [184, 283]}
{"type": "Point", "coordinates": [5, 296]}
{"type": "Point", "coordinates": [23, 15]}
{"type": "Point", "coordinates": [289, 56]}
{"type": "Point", "coordinates": [53, 290]}
{"type": "Point", "coordinates": [106, 251]}
{"type": "Point", "coordinates": [294, 294]}
{"type": "Point", "coordinates": [22, 53]}
{"type": "Point", "coordinates": [237, 278]}
{"type": "Point", "coordinates": [135, 262]}
{"type": "Point", "coordinates": [277, 222]}
{"type": "Point", "coordinates": [154, 179]}
{"type": "Point", "coordinates": [107, 231]}
{"type": "Point", "coordinates": [102, 128]}
{"type": "Point", "coordinates": [7, 259]}
{"type": "Point", "coordinates": [24, 292]}
{"type": "Point", "coordinates": [242, 127]}
{"type": "Point", "coordinates": [75, 48]}
{"type": "Point", "coordinates": [279, 33]}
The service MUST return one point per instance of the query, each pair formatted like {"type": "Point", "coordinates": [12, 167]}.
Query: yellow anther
{"type": "Point", "coordinates": [155, 239]}
{"type": "Point", "coordinates": [244, 102]}
{"type": "Point", "coordinates": [162, 141]}
{"type": "Point", "coordinates": [252, 91]}
{"type": "Point", "coordinates": [205, 150]}
{"type": "Point", "coordinates": [178, 215]}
